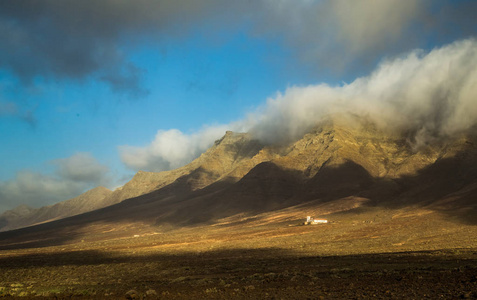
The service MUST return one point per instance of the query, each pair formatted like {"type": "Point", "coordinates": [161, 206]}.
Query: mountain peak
{"type": "Point", "coordinates": [232, 137]}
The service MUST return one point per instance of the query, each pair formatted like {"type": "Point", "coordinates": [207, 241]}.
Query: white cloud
{"type": "Point", "coordinates": [430, 95]}
{"type": "Point", "coordinates": [81, 167]}
{"type": "Point", "coordinates": [170, 149]}
{"type": "Point", "coordinates": [74, 175]}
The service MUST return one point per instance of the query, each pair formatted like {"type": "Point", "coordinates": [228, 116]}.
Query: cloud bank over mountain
{"type": "Point", "coordinates": [428, 95]}
{"type": "Point", "coordinates": [431, 95]}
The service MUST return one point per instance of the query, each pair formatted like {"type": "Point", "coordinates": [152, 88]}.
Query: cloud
{"type": "Point", "coordinates": [343, 37]}
{"type": "Point", "coordinates": [430, 95]}
{"type": "Point", "coordinates": [170, 149]}
{"type": "Point", "coordinates": [338, 35]}
{"type": "Point", "coordinates": [67, 39]}
{"type": "Point", "coordinates": [73, 176]}
{"type": "Point", "coordinates": [81, 167]}
{"type": "Point", "coordinates": [427, 95]}
{"type": "Point", "coordinates": [78, 39]}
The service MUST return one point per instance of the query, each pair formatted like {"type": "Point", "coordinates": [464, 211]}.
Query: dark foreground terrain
{"type": "Point", "coordinates": [240, 274]}
{"type": "Point", "coordinates": [393, 255]}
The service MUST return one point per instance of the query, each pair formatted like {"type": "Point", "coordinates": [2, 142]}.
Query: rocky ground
{"type": "Point", "coordinates": [376, 254]}
{"type": "Point", "coordinates": [239, 274]}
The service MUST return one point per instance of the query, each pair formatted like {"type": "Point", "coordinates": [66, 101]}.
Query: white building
{"type": "Point", "coordinates": [313, 221]}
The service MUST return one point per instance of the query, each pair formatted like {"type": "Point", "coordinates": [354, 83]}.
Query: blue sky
{"type": "Point", "coordinates": [93, 91]}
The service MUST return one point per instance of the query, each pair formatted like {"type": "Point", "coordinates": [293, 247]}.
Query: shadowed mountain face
{"type": "Point", "coordinates": [339, 159]}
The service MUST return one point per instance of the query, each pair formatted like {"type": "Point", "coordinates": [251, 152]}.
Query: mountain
{"type": "Point", "coordinates": [338, 158]}
{"type": "Point", "coordinates": [23, 215]}
{"type": "Point", "coordinates": [11, 216]}
{"type": "Point", "coordinates": [340, 165]}
{"type": "Point", "coordinates": [229, 157]}
{"type": "Point", "coordinates": [218, 162]}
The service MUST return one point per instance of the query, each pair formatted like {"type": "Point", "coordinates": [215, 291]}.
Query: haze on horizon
{"type": "Point", "coordinates": [94, 91]}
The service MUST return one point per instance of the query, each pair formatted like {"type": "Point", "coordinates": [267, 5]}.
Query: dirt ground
{"type": "Point", "coordinates": [239, 274]}
{"type": "Point", "coordinates": [396, 256]}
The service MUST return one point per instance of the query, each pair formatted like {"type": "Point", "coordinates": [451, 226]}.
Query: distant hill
{"type": "Point", "coordinates": [23, 215]}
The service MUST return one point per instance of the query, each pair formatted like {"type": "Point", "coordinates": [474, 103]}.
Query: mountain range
{"type": "Point", "coordinates": [343, 164]}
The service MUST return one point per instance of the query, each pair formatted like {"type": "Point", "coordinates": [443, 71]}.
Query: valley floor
{"type": "Point", "coordinates": [374, 254]}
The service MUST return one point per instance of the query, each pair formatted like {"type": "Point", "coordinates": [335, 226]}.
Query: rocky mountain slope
{"type": "Point", "coordinates": [230, 157]}
{"type": "Point", "coordinates": [338, 158]}
{"type": "Point", "coordinates": [341, 160]}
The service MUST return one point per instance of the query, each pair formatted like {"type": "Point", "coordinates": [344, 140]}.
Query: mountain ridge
{"type": "Point", "coordinates": [239, 175]}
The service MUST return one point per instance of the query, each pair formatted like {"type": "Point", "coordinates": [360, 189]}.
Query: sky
{"type": "Point", "coordinates": [93, 91]}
